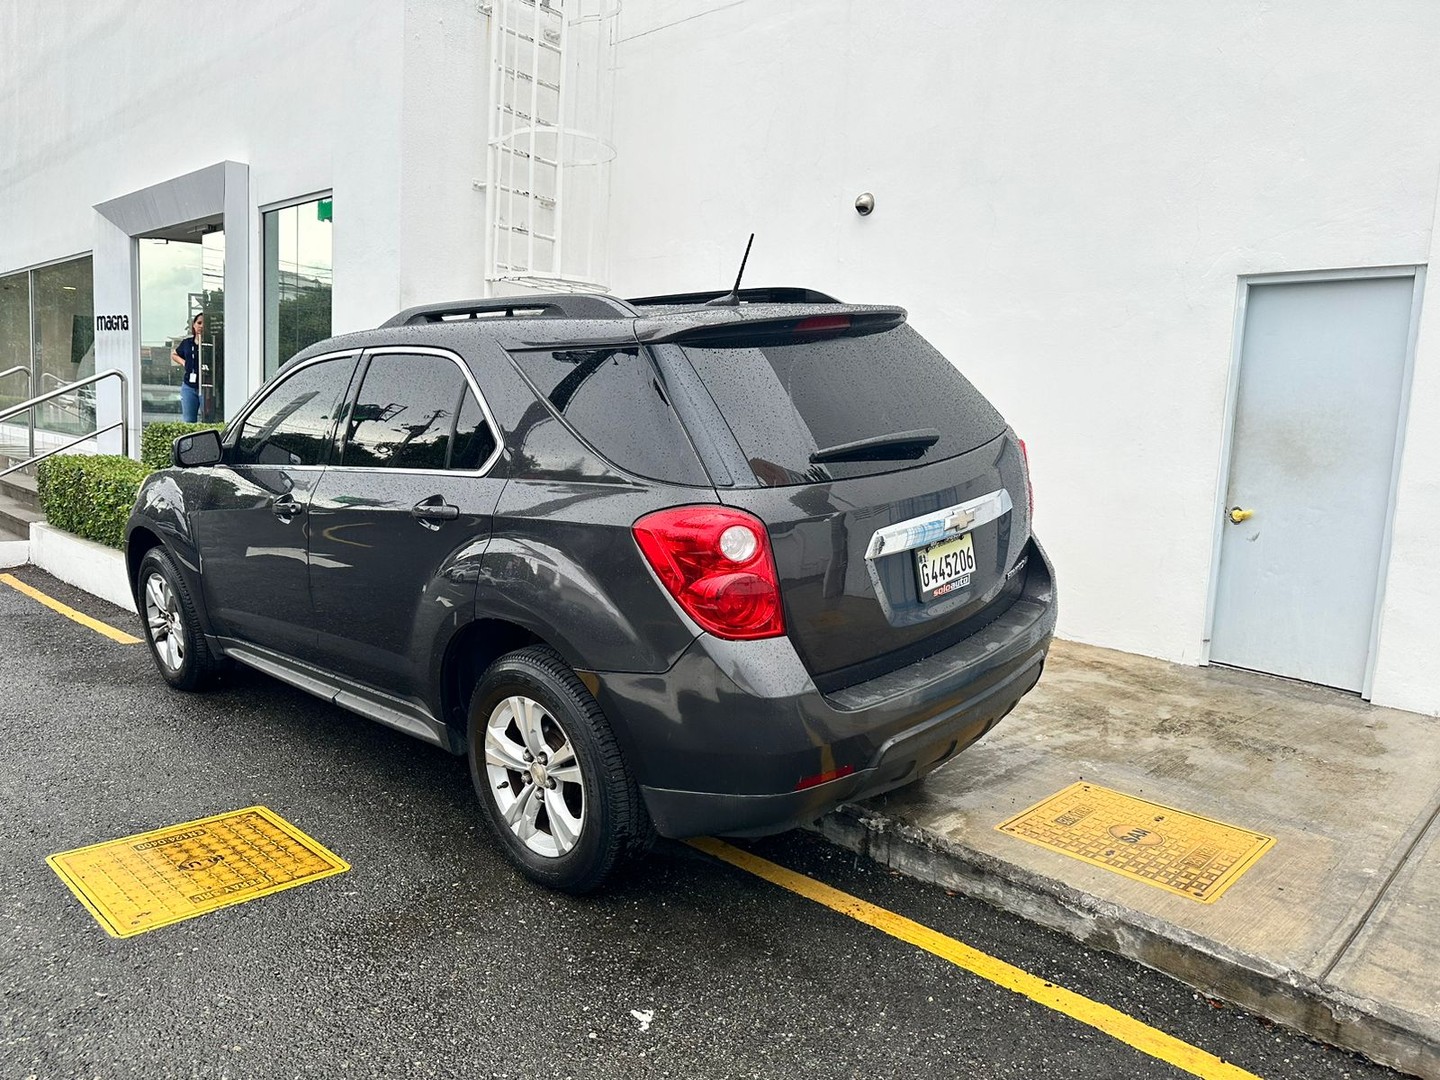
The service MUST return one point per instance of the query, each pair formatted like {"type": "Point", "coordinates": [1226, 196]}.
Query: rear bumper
{"type": "Point", "coordinates": [723, 742]}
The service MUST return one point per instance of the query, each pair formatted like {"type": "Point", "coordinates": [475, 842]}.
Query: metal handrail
{"type": "Point", "coordinates": [20, 369]}
{"type": "Point", "coordinates": [123, 423]}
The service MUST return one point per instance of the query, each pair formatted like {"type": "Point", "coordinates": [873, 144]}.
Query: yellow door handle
{"type": "Point", "coordinates": [1237, 515]}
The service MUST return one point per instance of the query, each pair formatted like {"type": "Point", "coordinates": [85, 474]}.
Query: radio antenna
{"type": "Point", "coordinates": [732, 298]}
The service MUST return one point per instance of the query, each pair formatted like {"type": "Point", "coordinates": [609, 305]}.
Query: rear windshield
{"type": "Point", "coordinates": [785, 403]}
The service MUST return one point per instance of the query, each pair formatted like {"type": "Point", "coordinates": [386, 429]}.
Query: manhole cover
{"type": "Point", "coordinates": [1182, 853]}
{"type": "Point", "coordinates": [157, 878]}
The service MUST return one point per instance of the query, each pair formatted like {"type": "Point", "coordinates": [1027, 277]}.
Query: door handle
{"type": "Point", "coordinates": [434, 509]}
{"type": "Point", "coordinates": [287, 506]}
{"type": "Point", "coordinates": [1238, 515]}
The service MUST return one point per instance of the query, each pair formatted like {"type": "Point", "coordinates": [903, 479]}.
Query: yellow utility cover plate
{"type": "Point", "coordinates": [1181, 853]}
{"type": "Point", "coordinates": [157, 878]}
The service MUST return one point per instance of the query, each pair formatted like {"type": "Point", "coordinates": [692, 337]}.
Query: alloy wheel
{"type": "Point", "coordinates": [534, 776]}
{"type": "Point", "coordinates": [162, 614]}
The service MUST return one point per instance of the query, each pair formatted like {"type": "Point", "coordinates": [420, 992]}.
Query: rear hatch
{"type": "Point", "coordinates": [894, 494]}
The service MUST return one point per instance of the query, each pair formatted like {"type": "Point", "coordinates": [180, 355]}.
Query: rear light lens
{"type": "Point", "coordinates": [1029, 489]}
{"type": "Point", "coordinates": [716, 563]}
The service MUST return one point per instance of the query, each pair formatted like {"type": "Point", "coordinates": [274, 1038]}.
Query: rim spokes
{"type": "Point", "coordinates": [537, 786]}
{"type": "Point", "coordinates": [503, 752]}
{"type": "Point", "coordinates": [162, 615]}
{"type": "Point", "coordinates": [563, 766]}
{"type": "Point", "coordinates": [529, 716]}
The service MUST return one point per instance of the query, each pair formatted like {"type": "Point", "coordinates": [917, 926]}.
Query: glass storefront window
{"type": "Point", "coordinates": [64, 323]}
{"type": "Point", "coordinates": [14, 338]}
{"type": "Point", "coordinates": [47, 326]}
{"type": "Point", "coordinates": [298, 272]}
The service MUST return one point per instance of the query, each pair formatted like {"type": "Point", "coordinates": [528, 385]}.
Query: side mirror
{"type": "Point", "coordinates": [199, 448]}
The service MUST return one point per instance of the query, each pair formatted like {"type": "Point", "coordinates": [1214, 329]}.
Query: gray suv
{"type": "Point", "coordinates": [656, 566]}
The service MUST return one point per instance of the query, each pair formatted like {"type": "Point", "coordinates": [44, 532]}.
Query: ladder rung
{"type": "Point", "coordinates": [544, 200]}
{"type": "Point", "coordinates": [529, 39]}
{"type": "Point", "coordinates": [531, 78]}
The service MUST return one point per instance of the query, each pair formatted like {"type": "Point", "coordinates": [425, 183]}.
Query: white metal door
{"type": "Point", "coordinates": [1322, 374]}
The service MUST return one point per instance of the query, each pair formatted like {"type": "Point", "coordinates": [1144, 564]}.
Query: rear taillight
{"type": "Point", "coordinates": [1029, 488]}
{"type": "Point", "coordinates": [716, 563]}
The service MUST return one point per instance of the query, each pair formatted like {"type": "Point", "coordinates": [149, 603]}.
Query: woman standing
{"type": "Point", "coordinates": [187, 354]}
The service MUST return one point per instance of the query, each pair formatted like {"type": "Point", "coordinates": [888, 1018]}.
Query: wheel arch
{"type": "Point", "coordinates": [468, 655]}
{"type": "Point", "coordinates": [140, 541]}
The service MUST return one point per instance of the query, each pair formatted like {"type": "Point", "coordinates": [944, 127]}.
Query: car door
{"type": "Point", "coordinates": [251, 532]}
{"type": "Point", "coordinates": [398, 522]}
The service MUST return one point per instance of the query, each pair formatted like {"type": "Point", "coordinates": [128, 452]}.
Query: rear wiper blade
{"type": "Point", "coordinates": [900, 446]}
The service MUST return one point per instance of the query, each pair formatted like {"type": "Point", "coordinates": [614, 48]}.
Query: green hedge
{"type": "Point", "coordinates": [90, 495]}
{"type": "Point", "coordinates": [156, 439]}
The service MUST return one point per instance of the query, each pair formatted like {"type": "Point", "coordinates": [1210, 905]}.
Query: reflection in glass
{"type": "Point", "coordinates": [14, 340]}
{"type": "Point", "coordinates": [293, 424]}
{"type": "Point", "coordinates": [180, 279]}
{"type": "Point", "coordinates": [298, 272]}
{"type": "Point", "coordinates": [405, 413]}
{"type": "Point", "coordinates": [64, 335]}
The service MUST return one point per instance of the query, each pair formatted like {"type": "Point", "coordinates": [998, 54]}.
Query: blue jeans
{"type": "Point", "coordinates": [189, 403]}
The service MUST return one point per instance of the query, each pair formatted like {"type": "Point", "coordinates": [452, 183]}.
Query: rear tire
{"type": "Point", "coordinates": [554, 790]}
{"type": "Point", "coordinates": [172, 629]}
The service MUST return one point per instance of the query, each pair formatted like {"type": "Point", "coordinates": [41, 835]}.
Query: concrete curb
{"type": "Point", "coordinates": [14, 553]}
{"type": "Point", "coordinates": [1385, 1034]}
{"type": "Point", "coordinates": [97, 569]}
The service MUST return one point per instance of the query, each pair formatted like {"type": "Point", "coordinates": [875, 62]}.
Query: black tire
{"type": "Point", "coordinates": [196, 665]}
{"type": "Point", "coordinates": [613, 821]}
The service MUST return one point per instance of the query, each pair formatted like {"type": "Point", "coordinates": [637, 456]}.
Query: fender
{"type": "Point", "coordinates": [161, 507]}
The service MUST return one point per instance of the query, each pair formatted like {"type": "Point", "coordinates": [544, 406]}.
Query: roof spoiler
{"type": "Point", "coordinates": [756, 331]}
{"type": "Point", "coordinates": [779, 295]}
{"type": "Point", "coordinates": [547, 306]}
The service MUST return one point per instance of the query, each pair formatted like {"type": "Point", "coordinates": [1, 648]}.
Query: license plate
{"type": "Point", "coordinates": [945, 567]}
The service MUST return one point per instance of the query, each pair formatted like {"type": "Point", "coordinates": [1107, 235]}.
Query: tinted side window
{"type": "Point", "coordinates": [786, 402]}
{"type": "Point", "coordinates": [474, 441]}
{"type": "Point", "coordinates": [613, 399]}
{"type": "Point", "coordinates": [294, 422]}
{"type": "Point", "coordinates": [405, 413]}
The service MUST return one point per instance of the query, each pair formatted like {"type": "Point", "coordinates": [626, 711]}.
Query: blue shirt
{"type": "Point", "coordinates": [187, 351]}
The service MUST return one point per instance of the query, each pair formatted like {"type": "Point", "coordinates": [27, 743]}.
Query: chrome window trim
{"type": "Point", "coordinates": [238, 423]}
{"type": "Point", "coordinates": [946, 524]}
{"type": "Point", "coordinates": [458, 361]}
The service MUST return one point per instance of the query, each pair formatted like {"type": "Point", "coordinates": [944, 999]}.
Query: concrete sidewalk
{"type": "Point", "coordinates": [1334, 931]}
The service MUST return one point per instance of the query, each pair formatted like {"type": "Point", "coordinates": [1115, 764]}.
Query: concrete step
{"type": "Point", "coordinates": [21, 488]}
{"type": "Point", "coordinates": [16, 518]}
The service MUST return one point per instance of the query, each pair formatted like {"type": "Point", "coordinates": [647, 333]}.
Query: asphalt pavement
{"type": "Point", "coordinates": [431, 958]}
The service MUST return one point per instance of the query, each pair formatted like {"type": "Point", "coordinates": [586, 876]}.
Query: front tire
{"type": "Point", "coordinates": [172, 629]}
{"type": "Point", "coordinates": [554, 790]}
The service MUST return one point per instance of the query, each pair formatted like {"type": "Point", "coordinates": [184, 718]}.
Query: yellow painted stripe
{"type": "Point", "coordinates": [1112, 1022]}
{"type": "Point", "coordinates": [69, 612]}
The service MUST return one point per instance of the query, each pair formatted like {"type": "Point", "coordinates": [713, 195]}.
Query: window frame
{"type": "Point", "coordinates": [230, 437]}
{"type": "Point", "coordinates": [339, 440]}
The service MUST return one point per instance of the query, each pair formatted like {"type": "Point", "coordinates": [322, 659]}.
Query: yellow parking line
{"type": "Point", "coordinates": [1112, 1022]}
{"type": "Point", "coordinates": [69, 612]}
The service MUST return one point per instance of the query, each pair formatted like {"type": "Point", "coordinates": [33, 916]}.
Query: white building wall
{"type": "Point", "coordinates": [375, 100]}
{"type": "Point", "coordinates": [1065, 197]}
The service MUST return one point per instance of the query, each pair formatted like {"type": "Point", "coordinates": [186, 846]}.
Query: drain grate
{"type": "Point", "coordinates": [1182, 853]}
{"type": "Point", "coordinates": [157, 878]}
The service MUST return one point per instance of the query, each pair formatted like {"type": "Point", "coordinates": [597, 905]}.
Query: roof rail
{"type": "Point", "coordinates": [548, 306]}
{"type": "Point", "coordinates": [780, 295]}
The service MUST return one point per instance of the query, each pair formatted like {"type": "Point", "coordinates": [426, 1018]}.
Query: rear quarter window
{"type": "Point", "coordinates": [786, 402]}
{"type": "Point", "coordinates": [613, 399]}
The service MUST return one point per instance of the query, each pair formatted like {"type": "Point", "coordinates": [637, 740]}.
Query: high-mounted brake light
{"type": "Point", "coordinates": [822, 322]}
{"type": "Point", "coordinates": [716, 562]}
{"type": "Point", "coordinates": [1029, 488]}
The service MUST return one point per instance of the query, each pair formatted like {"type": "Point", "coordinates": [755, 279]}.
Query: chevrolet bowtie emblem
{"type": "Point", "coordinates": [960, 519]}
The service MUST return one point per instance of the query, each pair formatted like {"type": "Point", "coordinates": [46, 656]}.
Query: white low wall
{"type": "Point", "coordinates": [97, 569]}
{"type": "Point", "coordinates": [14, 553]}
